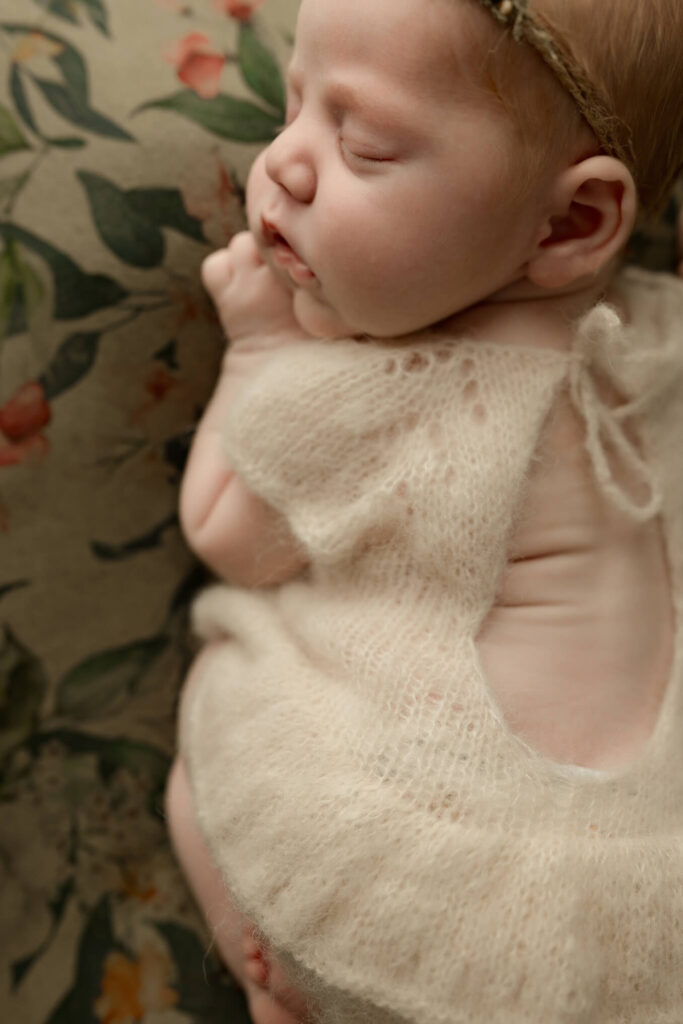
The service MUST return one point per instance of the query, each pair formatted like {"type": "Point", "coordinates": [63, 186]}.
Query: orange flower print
{"type": "Point", "coordinates": [240, 10]}
{"type": "Point", "coordinates": [22, 418]}
{"type": "Point", "coordinates": [35, 45]}
{"type": "Point", "coordinates": [133, 988]}
{"type": "Point", "coordinates": [198, 66]}
{"type": "Point", "coordinates": [133, 886]}
{"type": "Point", "coordinates": [25, 413]}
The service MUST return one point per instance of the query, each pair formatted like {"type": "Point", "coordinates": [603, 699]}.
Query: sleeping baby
{"type": "Point", "coordinates": [431, 754]}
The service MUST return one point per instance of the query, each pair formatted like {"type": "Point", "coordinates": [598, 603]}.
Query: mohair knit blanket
{"type": "Point", "coordinates": [361, 793]}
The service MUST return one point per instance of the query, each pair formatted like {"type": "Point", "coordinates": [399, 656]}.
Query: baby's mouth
{"type": "Point", "coordinates": [284, 255]}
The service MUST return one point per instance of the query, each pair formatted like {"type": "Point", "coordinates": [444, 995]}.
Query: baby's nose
{"type": "Point", "coordinates": [290, 165]}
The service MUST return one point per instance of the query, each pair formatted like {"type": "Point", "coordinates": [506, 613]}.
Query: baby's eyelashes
{"type": "Point", "coordinates": [354, 154]}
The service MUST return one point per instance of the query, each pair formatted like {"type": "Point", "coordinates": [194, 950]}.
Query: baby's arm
{"type": "Point", "coordinates": [234, 532]}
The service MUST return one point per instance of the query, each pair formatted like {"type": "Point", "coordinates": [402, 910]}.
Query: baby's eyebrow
{"type": "Point", "coordinates": [362, 101]}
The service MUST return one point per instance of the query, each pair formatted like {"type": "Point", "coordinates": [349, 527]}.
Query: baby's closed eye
{"type": "Point", "coordinates": [356, 152]}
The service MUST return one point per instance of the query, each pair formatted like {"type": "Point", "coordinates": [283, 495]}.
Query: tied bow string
{"type": "Point", "coordinates": [600, 337]}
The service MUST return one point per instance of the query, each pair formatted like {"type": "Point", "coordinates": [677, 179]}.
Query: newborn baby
{"type": "Point", "coordinates": [438, 478]}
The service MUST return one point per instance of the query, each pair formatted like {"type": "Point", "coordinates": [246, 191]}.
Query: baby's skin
{"type": "Point", "coordinates": [578, 645]}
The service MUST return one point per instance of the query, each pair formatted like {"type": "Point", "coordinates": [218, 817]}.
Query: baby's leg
{"type": "Point", "coordinates": [272, 1000]}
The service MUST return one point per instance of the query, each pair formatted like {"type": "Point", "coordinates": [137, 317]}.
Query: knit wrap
{"type": "Point", "coordinates": [361, 793]}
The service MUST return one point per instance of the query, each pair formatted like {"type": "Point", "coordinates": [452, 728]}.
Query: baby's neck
{"type": "Point", "coordinates": [524, 314]}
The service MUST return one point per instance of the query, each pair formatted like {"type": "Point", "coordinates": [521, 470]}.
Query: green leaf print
{"type": "Point", "coordinates": [139, 758]}
{"type": "Point", "coordinates": [31, 288]}
{"type": "Point", "coordinates": [203, 990]}
{"type": "Point", "coordinates": [9, 287]}
{"type": "Point", "coordinates": [10, 187]}
{"type": "Point", "coordinates": [22, 689]}
{"type": "Point", "coordinates": [132, 236]}
{"type": "Point", "coordinates": [66, 9]}
{"type": "Point", "coordinates": [60, 8]}
{"type": "Point", "coordinates": [72, 108]}
{"type": "Point", "coordinates": [112, 754]}
{"type": "Point", "coordinates": [67, 59]}
{"type": "Point", "coordinates": [74, 70]}
{"type": "Point", "coordinates": [57, 905]}
{"type": "Point", "coordinates": [21, 102]}
{"type": "Point", "coordinates": [145, 542]}
{"type": "Point", "coordinates": [96, 942]}
{"type": "Point", "coordinates": [260, 69]}
{"type": "Point", "coordinates": [76, 293]}
{"type": "Point", "coordinates": [98, 15]}
{"type": "Point", "coordinates": [102, 679]}
{"type": "Point", "coordinates": [226, 116]}
{"type": "Point", "coordinates": [72, 361]}
{"type": "Point", "coordinates": [164, 206]}
{"type": "Point", "coordinates": [7, 588]}
{"type": "Point", "coordinates": [21, 291]}
{"type": "Point", "coordinates": [11, 139]}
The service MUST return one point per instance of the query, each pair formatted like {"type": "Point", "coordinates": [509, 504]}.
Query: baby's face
{"type": "Point", "coordinates": [387, 202]}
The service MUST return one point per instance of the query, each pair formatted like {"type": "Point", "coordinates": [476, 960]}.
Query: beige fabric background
{"type": "Point", "coordinates": [95, 921]}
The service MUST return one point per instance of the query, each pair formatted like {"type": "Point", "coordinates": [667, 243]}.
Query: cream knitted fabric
{"type": "Point", "coordinates": [360, 791]}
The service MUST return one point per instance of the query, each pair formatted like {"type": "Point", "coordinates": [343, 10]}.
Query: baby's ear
{"type": "Point", "coordinates": [592, 211]}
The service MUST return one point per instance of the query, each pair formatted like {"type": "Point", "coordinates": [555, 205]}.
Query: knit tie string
{"type": "Point", "coordinates": [599, 337]}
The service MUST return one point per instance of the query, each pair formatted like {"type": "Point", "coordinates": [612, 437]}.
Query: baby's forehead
{"type": "Point", "coordinates": [426, 46]}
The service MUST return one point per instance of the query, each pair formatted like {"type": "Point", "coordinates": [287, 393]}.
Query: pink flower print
{"type": "Point", "coordinates": [26, 412]}
{"type": "Point", "coordinates": [240, 10]}
{"type": "Point", "coordinates": [33, 448]}
{"type": "Point", "coordinates": [210, 194]}
{"type": "Point", "coordinates": [197, 65]}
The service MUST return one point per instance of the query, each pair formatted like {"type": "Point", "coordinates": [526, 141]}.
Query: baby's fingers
{"type": "Point", "coordinates": [245, 251]}
{"type": "Point", "coordinates": [217, 271]}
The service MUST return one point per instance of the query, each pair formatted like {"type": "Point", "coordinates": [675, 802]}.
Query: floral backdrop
{"type": "Point", "coordinates": [126, 132]}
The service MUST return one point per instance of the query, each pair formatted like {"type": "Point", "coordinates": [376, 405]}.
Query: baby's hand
{"type": "Point", "coordinates": [252, 303]}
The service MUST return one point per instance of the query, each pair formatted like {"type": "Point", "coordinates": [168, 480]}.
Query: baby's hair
{"type": "Point", "coordinates": [632, 54]}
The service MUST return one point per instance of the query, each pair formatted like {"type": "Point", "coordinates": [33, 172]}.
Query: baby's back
{"type": "Point", "coordinates": [578, 646]}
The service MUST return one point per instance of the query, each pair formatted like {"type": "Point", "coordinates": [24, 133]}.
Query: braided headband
{"type": "Point", "coordinates": [530, 27]}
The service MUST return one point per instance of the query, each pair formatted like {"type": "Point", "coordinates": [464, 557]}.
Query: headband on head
{"type": "Point", "coordinates": [529, 26]}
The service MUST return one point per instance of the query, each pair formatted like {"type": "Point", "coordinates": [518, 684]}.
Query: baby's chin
{"type": "Point", "coordinates": [317, 319]}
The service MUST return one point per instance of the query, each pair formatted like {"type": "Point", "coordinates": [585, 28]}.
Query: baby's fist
{"type": "Point", "coordinates": [251, 301]}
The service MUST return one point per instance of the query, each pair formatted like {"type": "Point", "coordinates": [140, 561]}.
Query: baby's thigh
{"type": "Point", "coordinates": [226, 923]}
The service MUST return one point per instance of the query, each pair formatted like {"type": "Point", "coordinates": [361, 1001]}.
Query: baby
{"type": "Point", "coordinates": [431, 758]}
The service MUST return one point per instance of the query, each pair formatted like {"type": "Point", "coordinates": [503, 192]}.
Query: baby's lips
{"type": "Point", "coordinates": [285, 255]}
{"type": "Point", "coordinates": [272, 236]}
